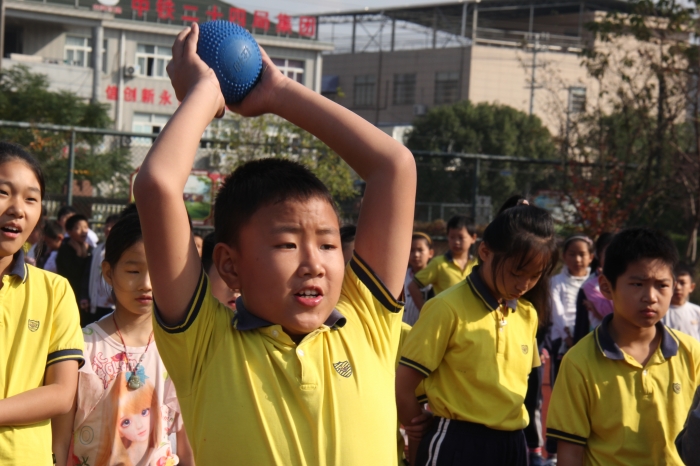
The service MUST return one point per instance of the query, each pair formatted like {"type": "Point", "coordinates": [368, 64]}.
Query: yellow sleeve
{"type": "Point", "coordinates": [425, 346]}
{"type": "Point", "coordinates": [66, 342]}
{"type": "Point", "coordinates": [568, 417]}
{"type": "Point", "coordinates": [184, 347]}
{"type": "Point", "coordinates": [364, 297]}
{"type": "Point", "coordinates": [427, 276]}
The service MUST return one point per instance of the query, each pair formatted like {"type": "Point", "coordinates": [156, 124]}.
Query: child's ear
{"type": "Point", "coordinates": [692, 286]}
{"type": "Point", "coordinates": [107, 273]}
{"type": "Point", "coordinates": [431, 253]}
{"type": "Point", "coordinates": [606, 288]}
{"type": "Point", "coordinates": [484, 252]}
{"type": "Point", "coordinates": [226, 263]}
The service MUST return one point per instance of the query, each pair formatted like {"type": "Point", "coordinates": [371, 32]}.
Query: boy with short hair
{"type": "Point", "coordinates": [624, 390]}
{"type": "Point", "coordinates": [452, 267]}
{"type": "Point", "coordinates": [73, 261]}
{"type": "Point", "coordinates": [684, 315]}
{"type": "Point", "coordinates": [304, 372]}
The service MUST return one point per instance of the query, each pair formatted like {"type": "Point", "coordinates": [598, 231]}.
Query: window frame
{"type": "Point", "coordinates": [402, 93]}
{"type": "Point", "coordinates": [447, 91]}
{"type": "Point", "coordinates": [156, 126]}
{"type": "Point", "coordinates": [86, 48]}
{"type": "Point", "coordinates": [297, 72]}
{"type": "Point", "coordinates": [362, 87]}
{"type": "Point", "coordinates": [161, 54]}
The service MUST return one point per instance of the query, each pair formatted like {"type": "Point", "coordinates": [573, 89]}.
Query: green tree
{"type": "Point", "coordinates": [483, 128]}
{"type": "Point", "coordinates": [272, 136]}
{"type": "Point", "coordinates": [25, 96]}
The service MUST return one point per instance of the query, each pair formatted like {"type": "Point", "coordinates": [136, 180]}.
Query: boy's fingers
{"type": "Point", "coordinates": [179, 44]}
{"type": "Point", "coordinates": [191, 41]}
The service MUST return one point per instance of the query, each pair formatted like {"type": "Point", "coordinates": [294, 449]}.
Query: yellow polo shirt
{"type": "Point", "coordinates": [39, 326]}
{"type": "Point", "coordinates": [623, 413]}
{"type": "Point", "coordinates": [476, 364]}
{"type": "Point", "coordinates": [442, 273]}
{"type": "Point", "coordinates": [251, 396]}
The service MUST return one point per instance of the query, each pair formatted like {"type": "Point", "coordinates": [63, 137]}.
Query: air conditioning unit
{"type": "Point", "coordinates": [420, 109]}
{"type": "Point", "coordinates": [131, 70]}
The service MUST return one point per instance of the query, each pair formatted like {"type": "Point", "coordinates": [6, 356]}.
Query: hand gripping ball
{"type": "Point", "coordinates": [234, 56]}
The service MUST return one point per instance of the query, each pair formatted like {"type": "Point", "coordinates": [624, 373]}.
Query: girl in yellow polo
{"type": "Point", "coordinates": [474, 347]}
{"type": "Point", "coordinates": [40, 341]}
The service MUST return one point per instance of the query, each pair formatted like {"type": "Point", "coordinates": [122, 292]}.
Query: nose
{"type": "Point", "coordinates": [310, 264]}
{"type": "Point", "coordinates": [650, 295]}
{"type": "Point", "coordinates": [15, 208]}
{"type": "Point", "coordinates": [146, 284]}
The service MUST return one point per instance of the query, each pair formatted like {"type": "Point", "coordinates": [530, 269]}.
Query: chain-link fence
{"type": "Point", "coordinates": [99, 165]}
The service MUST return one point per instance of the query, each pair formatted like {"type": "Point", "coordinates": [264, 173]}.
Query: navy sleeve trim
{"type": "Point", "coordinates": [418, 282]}
{"type": "Point", "coordinates": [422, 399]}
{"type": "Point", "coordinates": [66, 355]}
{"type": "Point", "coordinates": [558, 434]}
{"type": "Point", "coordinates": [193, 308]}
{"type": "Point", "coordinates": [374, 284]}
{"type": "Point", "coordinates": [414, 365]}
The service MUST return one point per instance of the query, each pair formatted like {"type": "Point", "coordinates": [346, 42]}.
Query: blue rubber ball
{"type": "Point", "coordinates": [233, 54]}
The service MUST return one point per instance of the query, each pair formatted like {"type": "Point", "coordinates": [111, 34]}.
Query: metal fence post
{"type": "Point", "coordinates": [71, 168]}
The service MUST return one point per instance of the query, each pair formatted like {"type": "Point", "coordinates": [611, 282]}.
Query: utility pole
{"type": "Point", "coordinates": [533, 77]}
{"type": "Point", "coordinates": [2, 31]}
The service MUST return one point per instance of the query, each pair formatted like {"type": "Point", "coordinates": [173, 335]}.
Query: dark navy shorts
{"type": "Point", "coordinates": [449, 443]}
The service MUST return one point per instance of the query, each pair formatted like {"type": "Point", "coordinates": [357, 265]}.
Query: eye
{"type": "Point", "coordinates": [3, 192]}
{"type": "Point", "coordinates": [146, 412]}
{"type": "Point", "coordinates": [328, 247]}
{"type": "Point", "coordinates": [126, 423]}
{"type": "Point", "coordinates": [286, 246]}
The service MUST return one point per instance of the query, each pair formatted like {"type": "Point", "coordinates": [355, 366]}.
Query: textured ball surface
{"type": "Point", "coordinates": [233, 54]}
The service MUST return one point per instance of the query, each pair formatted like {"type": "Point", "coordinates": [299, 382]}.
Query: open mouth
{"type": "Point", "coordinates": [309, 296]}
{"type": "Point", "coordinates": [11, 231]}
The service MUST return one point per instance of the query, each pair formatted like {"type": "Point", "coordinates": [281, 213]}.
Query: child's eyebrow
{"type": "Point", "coordinates": [297, 229]}
{"type": "Point", "coordinates": [9, 183]}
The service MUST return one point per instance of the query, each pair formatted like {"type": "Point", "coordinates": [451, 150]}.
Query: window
{"type": "Point", "coordinates": [78, 51]}
{"type": "Point", "coordinates": [152, 60]}
{"type": "Point", "coordinates": [147, 123]}
{"type": "Point", "coordinates": [365, 91]}
{"type": "Point", "coordinates": [404, 89]}
{"type": "Point", "coordinates": [577, 99]}
{"type": "Point", "coordinates": [446, 87]}
{"type": "Point", "coordinates": [291, 68]}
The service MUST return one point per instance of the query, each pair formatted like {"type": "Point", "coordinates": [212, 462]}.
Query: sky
{"type": "Point", "coordinates": [295, 7]}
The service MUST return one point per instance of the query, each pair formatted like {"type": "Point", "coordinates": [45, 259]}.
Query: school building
{"type": "Point", "coordinates": [391, 65]}
{"type": "Point", "coordinates": [115, 51]}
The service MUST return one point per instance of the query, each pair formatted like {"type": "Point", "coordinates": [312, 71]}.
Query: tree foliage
{"type": "Point", "coordinates": [483, 128]}
{"type": "Point", "coordinates": [26, 96]}
{"type": "Point", "coordinates": [272, 136]}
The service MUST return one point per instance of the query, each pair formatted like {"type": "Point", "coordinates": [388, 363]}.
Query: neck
{"type": "Point", "coordinates": [578, 273]}
{"type": "Point", "coordinates": [679, 303]}
{"type": "Point", "coordinates": [627, 335]}
{"type": "Point", "coordinates": [461, 255]}
{"type": "Point", "coordinates": [136, 329]}
{"type": "Point", "coordinates": [6, 265]}
{"type": "Point", "coordinates": [491, 286]}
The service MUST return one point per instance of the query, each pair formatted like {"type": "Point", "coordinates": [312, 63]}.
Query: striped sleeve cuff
{"type": "Point", "coordinates": [414, 365]}
{"type": "Point", "coordinates": [558, 434]}
{"type": "Point", "coordinates": [66, 355]}
{"type": "Point", "coordinates": [374, 284]}
{"type": "Point", "coordinates": [418, 282]}
{"type": "Point", "coordinates": [193, 308]}
{"type": "Point", "coordinates": [422, 399]}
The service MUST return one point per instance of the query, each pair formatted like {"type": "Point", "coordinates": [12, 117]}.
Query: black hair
{"type": "Point", "coordinates": [112, 219]}
{"type": "Point", "coordinates": [602, 243]}
{"type": "Point", "coordinates": [10, 152]}
{"type": "Point", "coordinates": [458, 222]}
{"type": "Point", "coordinates": [347, 234]}
{"type": "Point", "coordinates": [524, 233]}
{"type": "Point", "coordinates": [53, 230]}
{"type": "Point", "coordinates": [130, 209]}
{"type": "Point", "coordinates": [579, 237]}
{"type": "Point", "coordinates": [512, 201]}
{"type": "Point", "coordinates": [634, 244]}
{"type": "Point", "coordinates": [66, 209]}
{"type": "Point", "coordinates": [260, 183]}
{"type": "Point", "coordinates": [208, 251]}
{"type": "Point", "coordinates": [72, 221]}
{"type": "Point", "coordinates": [683, 268]}
{"type": "Point", "coordinates": [424, 236]}
{"type": "Point", "coordinates": [125, 233]}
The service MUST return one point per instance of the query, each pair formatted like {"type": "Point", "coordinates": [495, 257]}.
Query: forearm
{"type": "Point", "coordinates": [184, 449]}
{"type": "Point", "coordinates": [357, 141]}
{"type": "Point", "coordinates": [407, 380]}
{"type": "Point", "coordinates": [416, 295]}
{"type": "Point", "coordinates": [61, 433]}
{"type": "Point", "coordinates": [38, 404]}
{"type": "Point", "coordinates": [172, 155]}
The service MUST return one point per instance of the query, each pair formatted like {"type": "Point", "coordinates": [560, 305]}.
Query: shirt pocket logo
{"type": "Point", "coordinates": [676, 388]}
{"type": "Point", "coordinates": [525, 349]}
{"type": "Point", "coordinates": [343, 368]}
{"type": "Point", "coordinates": [33, 325]}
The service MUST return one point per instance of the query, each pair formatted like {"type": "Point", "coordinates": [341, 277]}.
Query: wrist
{"type": "Point", "coordinates": [206, 93]}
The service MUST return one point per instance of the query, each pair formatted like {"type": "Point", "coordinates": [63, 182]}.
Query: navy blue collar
{"type": "Point", "coordinates": [606, 344]}
{"type": "Point", "coordinates": [448, 256]}
{"type": "Point", "coordinates": [245, 320]}
{"type": "Point", "coordinates": [19, 268]}
{"type": "Point", "coordinates": [482, 291]}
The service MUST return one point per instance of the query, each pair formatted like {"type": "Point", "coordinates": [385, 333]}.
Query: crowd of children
{"type": "Point", "coordinates": [281, 338]}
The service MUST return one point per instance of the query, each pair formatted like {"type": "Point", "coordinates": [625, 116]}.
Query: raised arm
{"type": "Point", "coordinates": [173, 261]}
{"type": "Point", "coordinates": [386, 218]}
